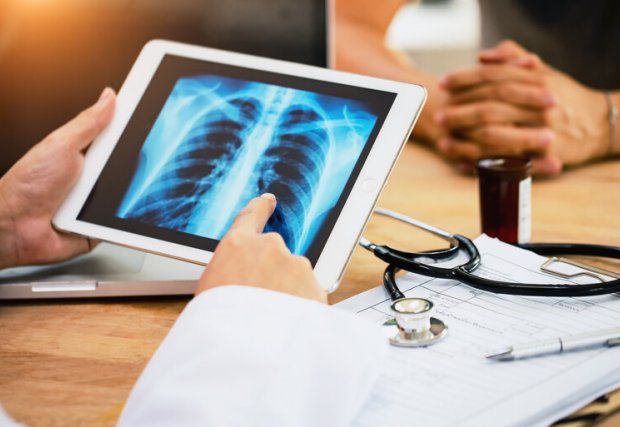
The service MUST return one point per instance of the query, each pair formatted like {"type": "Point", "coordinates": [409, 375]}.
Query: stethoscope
{"type": "Point", "coordinates": [424, 329]}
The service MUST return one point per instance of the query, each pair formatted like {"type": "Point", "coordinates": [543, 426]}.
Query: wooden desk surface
{"type": "Point", "coordinates": [74, 363]}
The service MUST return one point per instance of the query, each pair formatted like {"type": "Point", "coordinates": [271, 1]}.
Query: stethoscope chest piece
{"type": "Point", "coordinates": [416, 326]}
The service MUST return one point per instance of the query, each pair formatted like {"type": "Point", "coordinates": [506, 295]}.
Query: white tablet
{"type": "Point", "coordinates": [198, 132]}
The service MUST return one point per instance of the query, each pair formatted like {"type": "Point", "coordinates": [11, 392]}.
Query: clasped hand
{"type": "Point", "coordinates": [512, 103]}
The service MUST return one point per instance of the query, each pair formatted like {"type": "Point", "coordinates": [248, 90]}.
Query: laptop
{"type": "Point", "coordinates": [57, 56]}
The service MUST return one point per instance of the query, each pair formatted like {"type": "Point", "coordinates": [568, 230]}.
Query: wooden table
{"type": "Point", "coordinates": [73, 363]}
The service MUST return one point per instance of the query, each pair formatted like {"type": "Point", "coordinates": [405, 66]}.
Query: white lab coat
{"type": "Point", "coordinates": [241, 356]}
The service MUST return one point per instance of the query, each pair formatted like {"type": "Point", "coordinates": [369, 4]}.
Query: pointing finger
{"type": "Point", "coordinates": [255, 215]}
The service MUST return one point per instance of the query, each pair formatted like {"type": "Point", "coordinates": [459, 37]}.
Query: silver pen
{"type": "Point", "coordinates": [589, 340]}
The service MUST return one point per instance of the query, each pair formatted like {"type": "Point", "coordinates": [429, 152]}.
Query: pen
{"type": "Point", "coordinates": [589, 340]}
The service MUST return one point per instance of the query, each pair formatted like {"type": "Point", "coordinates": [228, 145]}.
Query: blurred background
{"type": "Point", "coordinates": [440, 35]}
{"type": "Point", "coordinates": [57, 55]}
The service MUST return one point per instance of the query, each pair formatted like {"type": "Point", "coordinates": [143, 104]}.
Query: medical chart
{"type": "Point", "coordinates": [452, 383]}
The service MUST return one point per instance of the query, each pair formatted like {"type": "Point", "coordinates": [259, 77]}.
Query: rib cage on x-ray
{"type": "Point", "coordinates": [290, 166]}
{"type": "Point", "coordinates": [200, 161]}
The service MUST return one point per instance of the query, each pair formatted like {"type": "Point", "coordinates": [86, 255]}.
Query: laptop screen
{"type": "Point", "coordinates": [57, 55]}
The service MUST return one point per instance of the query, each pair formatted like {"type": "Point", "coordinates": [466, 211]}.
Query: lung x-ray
{"type": "Point", "coordinates": [218, 142]}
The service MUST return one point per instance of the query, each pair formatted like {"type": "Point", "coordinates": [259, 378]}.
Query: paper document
{"type": "Point", "coordinates": [452, 383]}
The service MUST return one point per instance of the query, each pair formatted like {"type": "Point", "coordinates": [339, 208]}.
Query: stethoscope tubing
{"type": "Point", "coordinates": [415, 262]}
{"type": "Point", "coordinates": [604, 251]}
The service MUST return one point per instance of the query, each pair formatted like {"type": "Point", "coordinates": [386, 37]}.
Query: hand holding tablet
{"type": "Point", "coordinates": [199, 132]}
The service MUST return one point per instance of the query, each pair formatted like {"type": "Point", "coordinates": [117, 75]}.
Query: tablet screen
{"type": "Point", "coordinates": [207, 137]}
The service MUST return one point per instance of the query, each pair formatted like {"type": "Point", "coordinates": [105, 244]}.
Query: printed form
{"type": "Point", "coordinates": [452, 383]}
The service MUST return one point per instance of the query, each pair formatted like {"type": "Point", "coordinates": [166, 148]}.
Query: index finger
{"type": "Point", "coordinates": [489, 74]}
{"type": "Point", "coordinates": [255, 215]}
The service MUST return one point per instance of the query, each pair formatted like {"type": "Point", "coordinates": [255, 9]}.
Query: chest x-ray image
{"type": "Point", "coordinates": [220, 141]}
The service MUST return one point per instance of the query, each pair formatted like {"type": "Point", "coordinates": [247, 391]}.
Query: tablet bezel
{"type": "Point", "coordinates": [347, 229]}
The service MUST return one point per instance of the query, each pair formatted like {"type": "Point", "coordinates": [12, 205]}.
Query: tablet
{"type": "Point", "coordinates": [198, 132]}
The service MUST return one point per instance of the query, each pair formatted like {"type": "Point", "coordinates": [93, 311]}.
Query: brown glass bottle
{"type": "Point", "coordinates": [505, 198]}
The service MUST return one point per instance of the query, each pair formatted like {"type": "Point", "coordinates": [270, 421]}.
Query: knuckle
{"type": "Point", "coordinates": [506, 91]}
{"type": "Point", "coordinates": [486, 134]}
{"type": "Point", "coordinates": [451, 116]}
{"type": "Point", "coordinates": [303, 262]}
{"type": "Point", "coordinates": [533, 142]}
{"type": "Point", "coordinates": [487, 73]}
{"type": "Point", "coordinates": [247, 210]}
{"type": "Point", "coordinates": [498, 92]}
{"type": "Point", "coordinates": [87, 123]}
{"type": "Point", "coordinates": [535, 97]}
{"type": "Point", "coordinates": [548, 117]}
{"type": "Point", "coordinates": [486, 114]}
{"type": "Point", "coordinates": [512, 149]}
{"type": "Point", "coordinates": [232, 240]}
{"type": "Point", "coordinates": [53, 138]}
{"type": "Point", "coordinates": [274, 239]}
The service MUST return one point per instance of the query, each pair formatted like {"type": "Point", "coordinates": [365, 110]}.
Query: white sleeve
{"type": "Point", "coordinates": [6, 420]}
{"type": "Point", "coordinates": [241, 356]}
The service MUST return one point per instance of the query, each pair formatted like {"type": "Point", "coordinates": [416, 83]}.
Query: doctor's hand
{"type": "Point", "coordinates": [33, 189]}
{"type": "Point", "coordinates": [247, 256]}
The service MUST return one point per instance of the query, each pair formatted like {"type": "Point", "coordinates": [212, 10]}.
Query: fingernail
{"type": "Point", "coordinates": [105, 95]}
{"type": "Point", "coordinates": [443, 145]}
{"type": "Point", "coordinates": [523, 61]}
{"type": "Point", "coordinates": [554, 167]}
{"type": "Point", "coordinates": [443, 82]}
{"type": "Point", "coordinates": [488, 54]}
{"type": "Point", "coordinates": [546, 137]}
{"type": "Point", "coordinates": [268, 196]}
{"type": "Point", "coordinates": [440, 117]}
{"type": "Point", "coordinates": [464, 167]}
{"type": "Point", "coordinates": [527, 60]}
{"type": "Point", "coordinates": [551, 101]}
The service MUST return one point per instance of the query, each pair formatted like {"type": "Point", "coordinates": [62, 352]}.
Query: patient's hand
{"type": "Point", "coordinates": [33, 189]}
{"type": "Point", "coordinates": [247, 256]}
{"type": "Point", "coordinates": [513, 103]}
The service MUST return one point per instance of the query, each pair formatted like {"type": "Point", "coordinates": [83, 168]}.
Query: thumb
{"type": "Point", "coordinates": [80, 132]}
